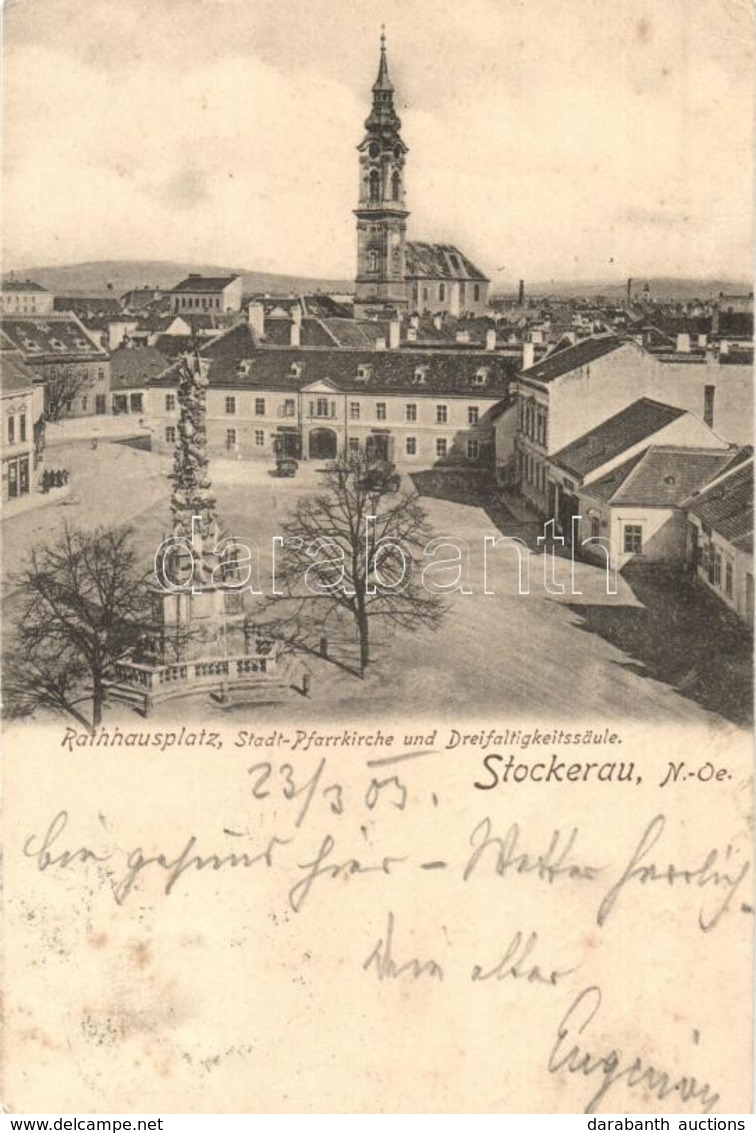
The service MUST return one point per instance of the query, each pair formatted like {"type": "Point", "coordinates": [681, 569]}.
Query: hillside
{"type": "Point", "coordinates": [117, 276]}
{"type": "Point", "coordinates": [103, 277]}
{"type": "Point", "coordinates": [662, 287]}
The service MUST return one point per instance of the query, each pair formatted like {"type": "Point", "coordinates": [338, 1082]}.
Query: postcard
{"type": "Point", "coordinates": [377, 565]}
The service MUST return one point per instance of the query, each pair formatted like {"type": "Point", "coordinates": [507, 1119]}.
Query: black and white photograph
{"type": "Point", "coordinates": [377, 464]}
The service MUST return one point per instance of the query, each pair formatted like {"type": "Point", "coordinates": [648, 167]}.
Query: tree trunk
{"type": "Point", "coordinates": [363, 634]}
{"type": "Point", "coordinates": [98, 700]}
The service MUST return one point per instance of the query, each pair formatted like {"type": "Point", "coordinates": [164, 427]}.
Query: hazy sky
{"type": "Point", "coordinates": [548, 138]}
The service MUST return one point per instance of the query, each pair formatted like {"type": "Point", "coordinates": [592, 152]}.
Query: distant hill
{"type": "Point", "coordinates": [662, 287]}
{"type": "Point", "coordinates": [114, 277]}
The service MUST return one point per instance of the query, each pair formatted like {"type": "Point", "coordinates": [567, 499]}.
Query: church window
{"type": "Point", "coordinates": [395, 185]}
{"type": "Point", "coordinates": [372, 260]}
{"type": "Point", "coordinates": [441, 292]}
{"type": "Point", "coordinates": [476, 292]}
{"type": "Point", "coordinates": [374, 185]}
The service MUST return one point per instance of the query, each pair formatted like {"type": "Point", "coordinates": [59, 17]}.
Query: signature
{"type": "Point", "coordinates": [609, 1068]}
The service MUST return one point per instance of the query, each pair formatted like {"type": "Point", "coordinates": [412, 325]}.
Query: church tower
{"type": "Point", "coordinates": [381, 212]}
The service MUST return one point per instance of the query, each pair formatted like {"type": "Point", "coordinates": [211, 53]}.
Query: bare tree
{"type": "Point", "coordinates": [83, 602]}
{"type": "Point", "coordinates": [62, 386]}
{"type": "Point", "coordinates": [349, 557]}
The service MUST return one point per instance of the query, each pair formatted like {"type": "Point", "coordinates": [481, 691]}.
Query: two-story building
{"type": "Point", "coordinates": [209, 294]}
{"type": "Point", "coordinates": [20, 436]}
{"type": "Point", "coordinates": [24, 297]}
{"type": "Point", "coordinates": [65, 357]}
{"type": "Point", "coordinates": [417, 407]}
{"type": "Point", "coordinates": [574, 389]}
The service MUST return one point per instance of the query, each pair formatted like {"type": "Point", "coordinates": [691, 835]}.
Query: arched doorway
{"type": "Point", "coordinates": [322, 444]}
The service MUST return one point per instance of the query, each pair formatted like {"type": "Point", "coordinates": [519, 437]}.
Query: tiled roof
{"type": "Point", "coordinates": [439, 261]}
{"type": "Point", "coordinates": [571, 358]}
{"type": "Point", "coordinates": [672, 325]}
{"type": "Point", "coordinates": [52, 337]}
{"type": "Point", "coordinates": [664, 476]}
{"type": "Point", "coordinates": [21, 285]}
{"type": "Point", "coordinates": [207, 283]}
{"type": "Point", "coordinates": [727, 505]}
{"type": "Point", "coordinates": [15, 375]}
{"type": "Point", "coordinates": [131, 367]}
{"type": "Point", "coordinates": [611, 438]}
{"type": "Point", "coordinates": [237, 361]}
{"type": "Point", "coordinates": [173, 345]}
{"type": "Point", "coordinates": [604, 488]}
{"type": "Point", "coordinates": [89, 307]}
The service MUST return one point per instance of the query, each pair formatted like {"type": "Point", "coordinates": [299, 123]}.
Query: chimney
{"type": "Point", "coordinates": [438, 320]}
{"type": "Point", "coordinates": [296, 328]}
{"type": "Point", "coordinates": [393, 340]}
{"type": "Point", "coordinates": [703, 340]}
{"type": "Point", "coordinates": [521, 295]}
{"type": "Point", "coordinates": [415, 321]}
{"type": "Point", "coordinates": [629, 289]}
{"type": "Point", "coordinates": [490, 339]}
{"type": "Point", "coordinates": [683, 344]}
{"type": "Point", "coordinates": [380, 344]}
{"type": "Point", "coordinates": [256, 319]}
{"type": "Point", "coordinates": [463, 336]}
{"type": "Point", "coordinates": [528, 355]}
{"type": "Point", "coordinates": [411, 334]}
{"type": "Point", "coordinates": [724, 347]}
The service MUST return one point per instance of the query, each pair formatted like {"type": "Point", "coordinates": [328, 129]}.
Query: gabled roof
{"type": "Point", "coordinates": [52, 337]}
{"type": "Point", "coordinates": [89, 307]}
{"type": "Point", "coordinates": [207, 283]}
{"type": "Point", "coordinates": [611, 438]}
{"type": "Point", "coordinates": [727, 504]}
{"type": "Point", "coordinates": [661, 476]}
{"type": "Point", "coordinates": [569, 358]}
{"type": "Point", "coordinates": [439, 261]}
{"type": "Point", "coordinates": [21, 285]}
{"type": "Point", "coordinates": [15, 376]}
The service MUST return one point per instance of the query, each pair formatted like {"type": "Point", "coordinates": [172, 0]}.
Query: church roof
{"type": "Point", "coordinates": [439, 261]}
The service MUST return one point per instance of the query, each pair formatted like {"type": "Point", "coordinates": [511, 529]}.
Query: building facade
{"type": "Point", "coordinates": [20, 436]}
{"type": "Point", "coordinates": [60, 351]}
{"type": "Point", "coordinates": [24, 297]}
{"type": "Point", "coordinates": [415, 407]}
{"type": "Point", "coordinates": [199, 294]}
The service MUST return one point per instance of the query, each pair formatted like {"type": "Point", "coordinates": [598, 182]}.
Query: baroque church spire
{"type": "Point", "coordinates": [383, 117]}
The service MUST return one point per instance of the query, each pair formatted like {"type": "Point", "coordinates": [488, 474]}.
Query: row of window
{"type": "Point", "coordinates": [323, 407]}
{"type": "Point", "coordinates": [411, 446]}
{"type": "Point", "coordinates": [533, 420]}
{"type": "Point", "coordinates": [426, 290]}
{"type": "Point", "coordinates": [194, 302]}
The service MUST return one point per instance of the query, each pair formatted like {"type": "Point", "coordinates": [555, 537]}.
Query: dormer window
{"type": "Point", "coordinates": [421, 375]}
{"type": "Point", "coordinates": [57, 344]}
{"type": "Point", "coordinates": [295, 370]}
{"type": "Point", "coordinates": [364, 372]}
{"type": "Point", "coordinates": [243, 368]}
{"type": "Point", "coordinates": [481, 376]}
